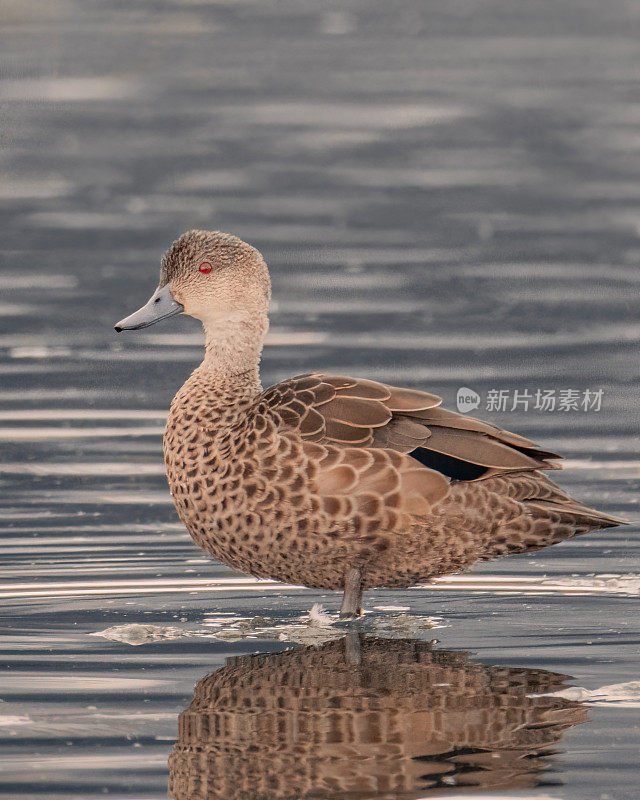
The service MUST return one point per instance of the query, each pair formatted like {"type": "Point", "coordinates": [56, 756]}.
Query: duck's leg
{"type": "Point", "coordinates": [352, 599]}
{"type": "Point", "coordinates": [352, 650]}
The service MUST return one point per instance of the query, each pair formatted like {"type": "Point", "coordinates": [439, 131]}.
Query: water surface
{"type": "Point", "coordinates": [447, 196]}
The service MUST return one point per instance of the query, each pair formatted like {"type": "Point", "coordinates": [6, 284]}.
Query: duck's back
{"type": "Point", "coordinates": [324, 472]}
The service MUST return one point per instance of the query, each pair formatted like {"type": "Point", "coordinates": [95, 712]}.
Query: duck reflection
{"type": "Point", "coordinates": [366, 718]}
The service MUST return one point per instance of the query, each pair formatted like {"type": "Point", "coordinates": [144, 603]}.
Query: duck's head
{"type": "Point", "coordinates": [213, 276]}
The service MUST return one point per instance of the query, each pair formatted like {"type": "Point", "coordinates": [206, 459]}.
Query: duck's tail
{"type": "Point", "coordinates": [548, 515]}
{"type": "Point", "coordinates": [550, 498]}
{"type": "Point", "coordinates": [574, 513]}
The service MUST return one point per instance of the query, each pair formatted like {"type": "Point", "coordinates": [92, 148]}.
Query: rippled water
{"type": "Point", "coordinates": [447, 195]}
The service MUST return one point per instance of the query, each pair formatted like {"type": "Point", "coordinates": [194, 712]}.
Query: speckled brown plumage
{"type": "Point", "coordinates": [323, 474]}
{"type": "Point", "coordinates": [313, 475]}
{"type": "Point", "coordinates": [364, 718]}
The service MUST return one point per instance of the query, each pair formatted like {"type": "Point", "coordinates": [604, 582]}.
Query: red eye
{"type": "Point", "coordinates": [205, 267]}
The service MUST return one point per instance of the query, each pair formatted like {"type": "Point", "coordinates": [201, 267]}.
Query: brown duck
{"type": "Point", "coordinates": [367, 718]}
{"type": "Point", "coordinates": [331, 481]}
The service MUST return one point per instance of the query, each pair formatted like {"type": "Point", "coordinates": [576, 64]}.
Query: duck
{"type": "Point", "coordinates": [330, 481]}
{"type": "Point", "coordinates": [364, 718]}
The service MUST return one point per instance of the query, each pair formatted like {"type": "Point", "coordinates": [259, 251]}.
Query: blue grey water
{"type": "Point", "coordinates": [448, 196]}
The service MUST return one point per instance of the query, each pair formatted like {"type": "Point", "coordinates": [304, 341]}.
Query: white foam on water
{"type": "Point", "coordinates": [318, 616]}
{"type": "Point", "coordinates": [623, 695]}
{"type": "Point", "coordinates": [402, 625]}
{"type": "Point", "coordinates": [628, 585]}
{"type": "Point", "coordinates": [136, 634]}
{"type": "Point", "coordinates": [314, 627]}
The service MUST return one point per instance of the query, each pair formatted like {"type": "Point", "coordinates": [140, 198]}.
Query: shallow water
{"type": "Point", "coordinates": [448, 197]}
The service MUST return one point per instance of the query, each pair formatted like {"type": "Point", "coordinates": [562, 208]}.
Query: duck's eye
{"type": "Point", "coordinates": [205, 267]}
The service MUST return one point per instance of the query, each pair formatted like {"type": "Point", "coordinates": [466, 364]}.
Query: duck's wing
{"type": "Point", "coordinates": [343, 412]}
{"type": "Point", "coordinates": [357, 478]}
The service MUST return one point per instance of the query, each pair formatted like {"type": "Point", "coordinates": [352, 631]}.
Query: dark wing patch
{"type": "Point", "coordinates": [454, 468]}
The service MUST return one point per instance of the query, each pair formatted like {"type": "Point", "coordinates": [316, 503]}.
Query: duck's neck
{"type": "Point", "coordinates": [233, 347]}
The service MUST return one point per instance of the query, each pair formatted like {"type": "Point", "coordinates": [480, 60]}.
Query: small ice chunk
{"type": "Point", "coordinates": [136, 634]}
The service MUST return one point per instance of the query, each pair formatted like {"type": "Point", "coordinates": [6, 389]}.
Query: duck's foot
{"type": "Point", "coordinates": [352, 599]}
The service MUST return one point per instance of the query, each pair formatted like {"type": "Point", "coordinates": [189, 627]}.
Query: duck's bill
{"type": "Point", "coordinates": [159, 306]}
